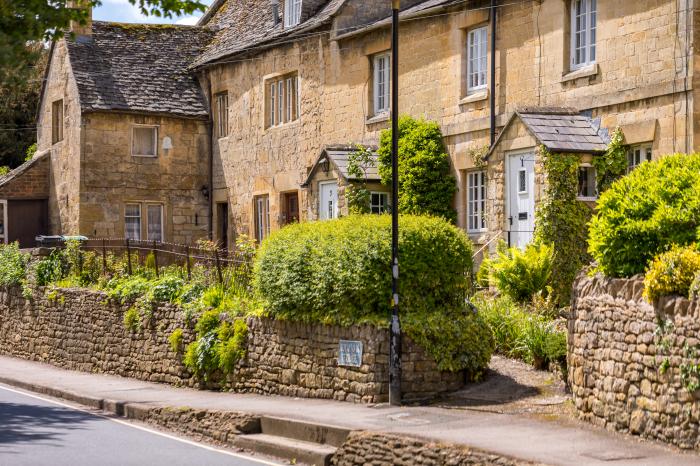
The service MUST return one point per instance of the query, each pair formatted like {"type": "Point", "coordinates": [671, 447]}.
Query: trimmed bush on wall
{"type": "Point", "coordinates": [645, 213]}
{"type": "Point", "coordinates": [338, 272]}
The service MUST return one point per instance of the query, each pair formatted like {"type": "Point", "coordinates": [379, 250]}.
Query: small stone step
{"type": "Point", "coordinates": [282, 447]}
{"type": "Point", "coordinates": [304, 431]}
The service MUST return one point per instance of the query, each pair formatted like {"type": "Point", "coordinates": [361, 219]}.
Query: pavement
{"type": "Point", "coordinates": [539, 440]}
{"type": "Point", "coordinates": [36, 431]}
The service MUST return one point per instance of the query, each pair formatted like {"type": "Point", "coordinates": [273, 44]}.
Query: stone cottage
{"type": "Point", "coordinates": [237, 113]}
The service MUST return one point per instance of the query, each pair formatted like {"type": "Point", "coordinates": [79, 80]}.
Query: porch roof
{"type": "Point", "coordinates": [338, 156]}
{"type": "Point", "coordinates": [560, 129]}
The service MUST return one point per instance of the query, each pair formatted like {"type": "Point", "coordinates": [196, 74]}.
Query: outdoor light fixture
{"type": "Point", "coordinates": [167, 143]}
{"type": "Point", "coordinates": [205, 192]}
{"type": "Point", "coordinates": [325, 165]}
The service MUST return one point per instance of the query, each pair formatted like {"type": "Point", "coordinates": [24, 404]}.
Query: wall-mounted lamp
{"type": "Point", "coordinates": [325, 165]}
{"type": "Point", "coordinates": [167, 144]}
{"type": "Point", "coordinates": [205, 192]}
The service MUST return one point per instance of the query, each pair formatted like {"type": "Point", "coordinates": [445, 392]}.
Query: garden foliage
{"type": "Point", "coordinates": [426, 184]}
{"type": "Point", "coordinates": [672, 273]}
{"type": "Point", "coordinates": [338, 272]}
{"type": "Point", "coordinates": [645, 213]}
{"type": "Point", "coordinates": [521, 274]}
{"type": "Point", "coordinates": [13, 265]}
{"type": "Point", "coordinates": [612, 165]}
{"type": "Point", "coordinates": [562, 222]}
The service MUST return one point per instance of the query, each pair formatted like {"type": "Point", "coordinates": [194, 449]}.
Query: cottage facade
{"type": "Point", "coordinates": [271, 86]}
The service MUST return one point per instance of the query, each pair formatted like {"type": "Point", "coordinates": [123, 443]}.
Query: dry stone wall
{"type": "Point", "coordinates": [80, 330]}
{"type": "Point", "coordinates": [625, 359]}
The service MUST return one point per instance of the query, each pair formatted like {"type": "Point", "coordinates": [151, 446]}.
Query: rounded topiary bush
{"type": "Point", "coordinates": [645, 213]}
{"type": "Point", "coordinates": [338, 272]}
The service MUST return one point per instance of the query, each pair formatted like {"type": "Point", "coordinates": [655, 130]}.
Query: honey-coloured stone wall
{"type": "Point", "coordinates": [625, 359]}
{"type": "Point", "coordinates": [80, 330]}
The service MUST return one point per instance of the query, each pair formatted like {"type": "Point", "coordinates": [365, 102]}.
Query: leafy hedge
{"type": "Point", "coordinates": [426, 184]}
{"type": "Point", "coordinates": [13, 265]}
{"type": "Point", "coordinates": [672, 273]}
{"type": "Point", "coordinates": [338, 272]}
{"type": "Point", "coordinates": [645, 213]}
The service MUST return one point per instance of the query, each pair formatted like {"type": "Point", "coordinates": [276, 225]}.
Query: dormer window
{"type": "Point", "coordinates": [292, 12]}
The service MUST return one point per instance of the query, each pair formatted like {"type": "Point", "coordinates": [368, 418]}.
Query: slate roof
{"type": "Point", "coordinates": [338, 155]}
{"type": "Point", "coordinates": [560, 129]}
{"type": "Point", "coordinates": [243, 24]}
{"type": "Point", "coordinates": [139, 68]}
{"type": "Point", "coordinates": [563, 130]}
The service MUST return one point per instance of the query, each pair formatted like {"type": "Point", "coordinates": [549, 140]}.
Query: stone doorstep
{"type": "Point", "coordinates": [302, 442]}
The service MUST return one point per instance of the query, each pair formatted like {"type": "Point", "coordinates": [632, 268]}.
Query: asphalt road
{"type": "Point", "coordinates": [35, 431]}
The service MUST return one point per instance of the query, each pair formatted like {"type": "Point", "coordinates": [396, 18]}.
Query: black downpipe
{"type": "Point", "coordinates": [493, 72]}
{"type": "Point", "coordinates": [211, 162]}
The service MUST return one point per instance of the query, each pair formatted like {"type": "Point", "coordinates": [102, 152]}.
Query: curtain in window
{"type": "Point", "coordinates": [132, 221]}
{"type": "Point", "coordinates": [144, 141]}
{"type": "Point", "coordinates": [155, 223]}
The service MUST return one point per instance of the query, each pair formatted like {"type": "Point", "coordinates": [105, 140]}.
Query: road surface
{"type": "Point", "coordinates": [36, 431]}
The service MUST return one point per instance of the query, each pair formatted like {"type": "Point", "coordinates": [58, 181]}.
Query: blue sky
{"type": "Point", "coordinates": [125, 12]}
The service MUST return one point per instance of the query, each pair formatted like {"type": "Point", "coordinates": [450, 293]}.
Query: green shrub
{"type": "Point", "coordinates": [338, 272]}
{"type": "Point", "coordinates": [50, 269]}
{"type": "Point", "coordinates": [175, 340]}
{"type": "Point", "coordinates": [522, 334]}
{"type": "Point", "coordinates": [218, 347]}
{"type": "Point", "coordinates": [519, 274]}
{"type": "Point", "coordinates": [562, 222]}
{"type": "Point", "coordinates": [124, 289]}
{"type": "Point", "coordinates": [13, 265]}
{"type": "Point", "coordinates": [426, 184]}
{"type": "Point", "coordinates": [672, 273]}
{"type": "Point", "coordinates": [645, 213]}
{"type": "Point", "coordinates": [132, 319]}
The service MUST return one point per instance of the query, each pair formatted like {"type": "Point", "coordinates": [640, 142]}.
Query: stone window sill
{"type": "Point", "coordinates": [290, 124]}
{"type": "Point", "coordinates": [585, 72]}
{"type": "Point", "coordinates": [381, 118]}
{"type": "Point", "coordinates": [477, 96]}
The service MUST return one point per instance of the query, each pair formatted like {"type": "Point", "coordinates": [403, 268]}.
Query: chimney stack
{"type": "Point", "coordinates": [81, 30]}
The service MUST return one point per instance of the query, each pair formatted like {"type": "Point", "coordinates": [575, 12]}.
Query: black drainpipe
{"type": "Point", "coordinates": [493, 71]}
{"type": "Point", "coordinates": [211, 160]}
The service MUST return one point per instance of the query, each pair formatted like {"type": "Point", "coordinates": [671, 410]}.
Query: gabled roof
{"type": "Point", "coordinates": [559, 130]}
{"type": "Point", "coordinates": [139, 68]}
{"type": "Point", "coordinates": [338, 156]}
{"type": "Point", "coordinates": [244, 24]}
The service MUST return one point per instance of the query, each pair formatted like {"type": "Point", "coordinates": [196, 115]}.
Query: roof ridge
{"type": "Point", "coordinates": [127, 25]}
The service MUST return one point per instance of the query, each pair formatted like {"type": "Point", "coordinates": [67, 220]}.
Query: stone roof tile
{"type": "Point", "coordinates": [139, 68]}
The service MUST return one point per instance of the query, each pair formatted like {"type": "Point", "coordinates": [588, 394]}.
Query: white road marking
{"type": "Point", "coordinates": [134, 426]}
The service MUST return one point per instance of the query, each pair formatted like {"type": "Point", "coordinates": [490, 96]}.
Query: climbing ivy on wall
{"type": "Point", "coordinates": [357, 194]}
{"type": "Point", "coordinates": [613, 164]}
{"type": "Point", "coordinates": [562, 221]}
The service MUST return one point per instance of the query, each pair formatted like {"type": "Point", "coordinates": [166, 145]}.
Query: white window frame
{"type": "Point", "coordinates": [383, 206]}
{"type": "Point", "coordinates": [222, 114]}
{"type": "Point", "coordinates": [587, 33]}
{"type": "Point", "coordinates": [262, 216]}
{"type": "Point", "coordinates": [645, 154]}
{"type": "Point", "coordinates": [594, 197]}
{"type": "Point", "coordinates": [477, 59]}
{"type": "Point", "coordinates": [381, 76]}
{"type": "Point", "coordinates": [162, 222]}
{"type": "Point", "coordinates": [155, 140]}
{"type": "Point", "coordinates": [292, 12]}
{"type": "Point", "coordinates": [476, 201]}
{"type": "Point", "coordinates": [139, 217]}
{"type": "Point", "coordinates": [282, 99]}
{"type": "Point", "coordinates": [4, 234]}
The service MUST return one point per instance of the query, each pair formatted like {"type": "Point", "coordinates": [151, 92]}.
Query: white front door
{"type": "Point", "coordinates": [520, 196]}
{"type": "Point", "coordinates": [328, 200]}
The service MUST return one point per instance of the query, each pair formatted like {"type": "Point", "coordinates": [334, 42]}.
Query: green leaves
{"type": "Point", "coordinates": [645, 213]}
{"type": "Point", "coordinates": [562, 222]}
{"type": "Point", "coordinates": [426, 184]}
{"type": "Point", "coordinates": [338, 272]}
{"type": "Point", "coordinates": [13, 265]}
{"type": "Point", "coordinates": [522, 274]}
{"type": "Point", "coordinates": [672, 273]}
{"type": "Point", "coordinates": [613, 164]}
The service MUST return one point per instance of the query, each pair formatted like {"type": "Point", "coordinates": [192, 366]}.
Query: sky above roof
{"type": "Point", "coordinates": [124, 12]}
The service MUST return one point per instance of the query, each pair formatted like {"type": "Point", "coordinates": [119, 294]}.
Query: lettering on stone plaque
{"type": "Point", "coordinates": [350, 353]}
